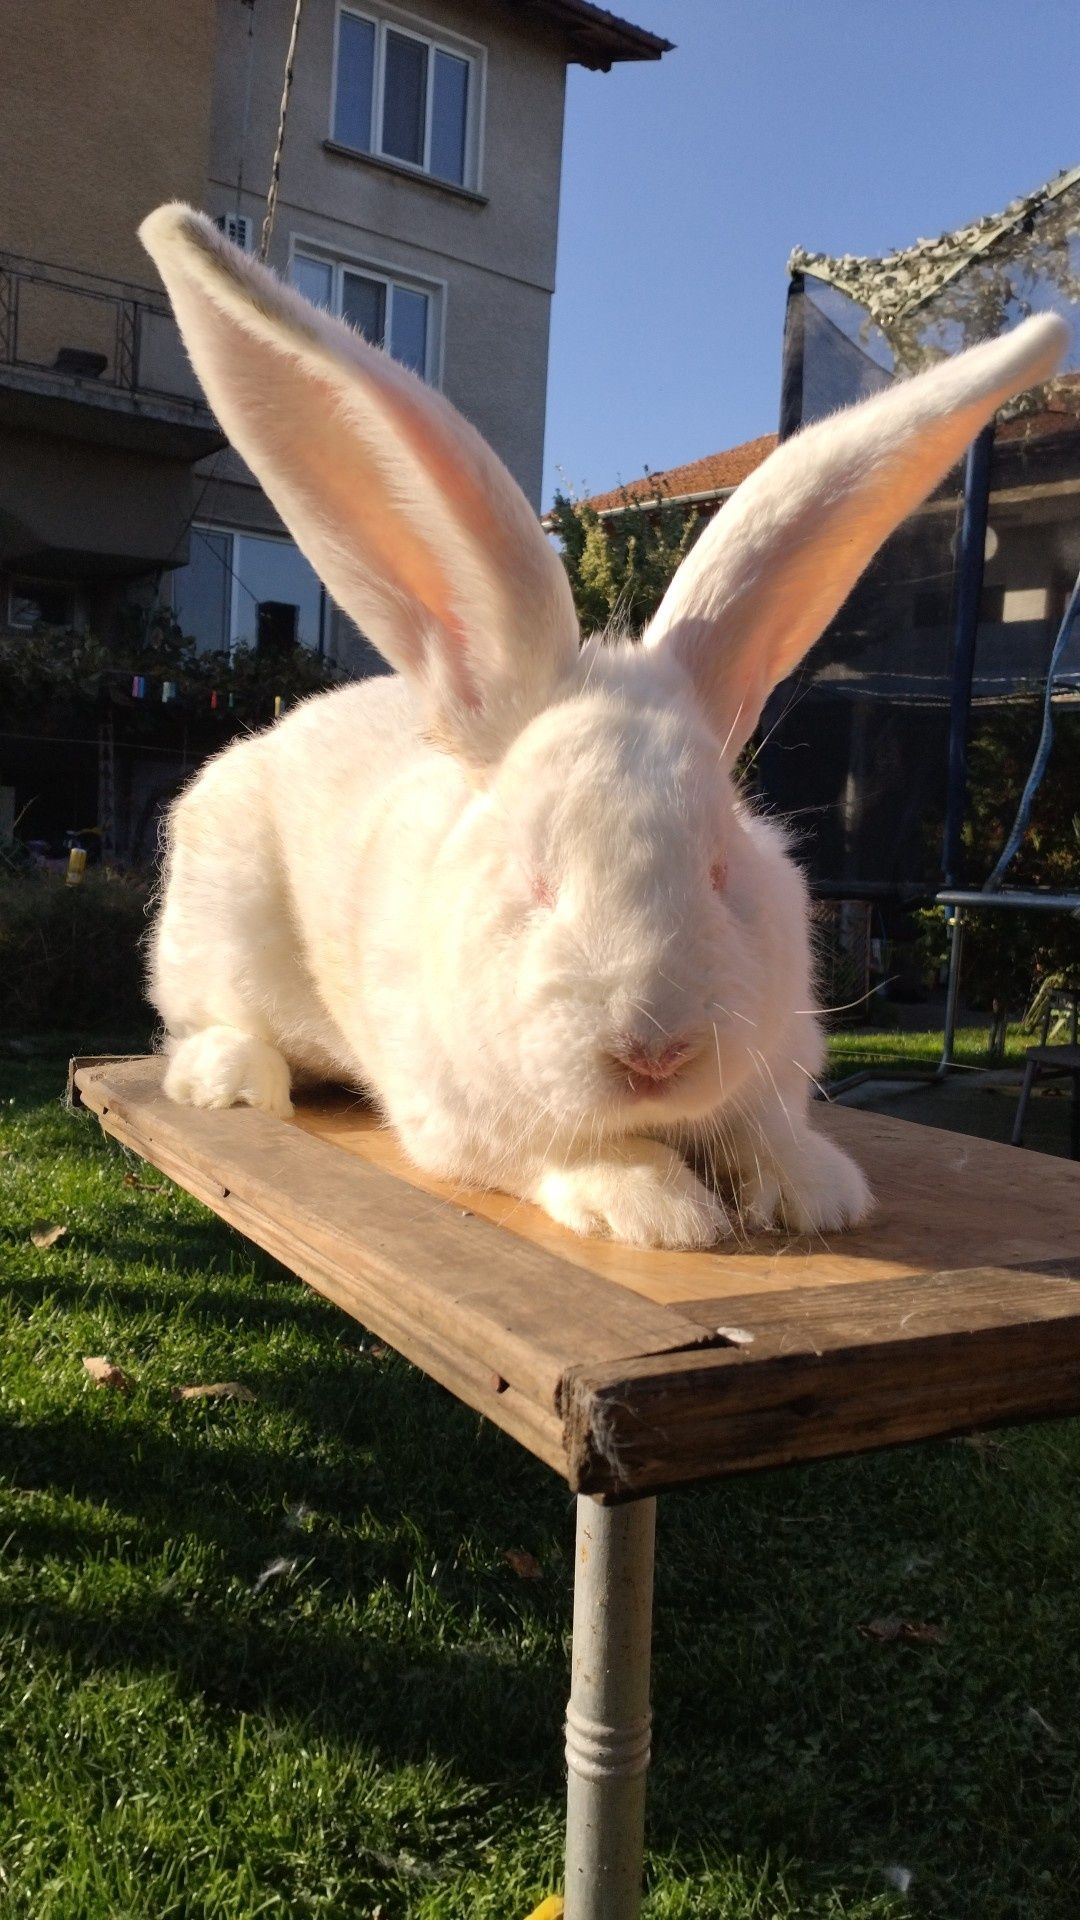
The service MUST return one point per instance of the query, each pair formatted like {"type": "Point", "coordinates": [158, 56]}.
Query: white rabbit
{"type": "Point", "coordinates": [510, 890]}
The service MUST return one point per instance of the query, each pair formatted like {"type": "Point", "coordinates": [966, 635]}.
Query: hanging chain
{"type": "Point", "coordinates": [275, 171]}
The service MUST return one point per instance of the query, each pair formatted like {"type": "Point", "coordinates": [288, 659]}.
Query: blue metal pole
{"type": "Point", "coordinates": [969, 579]}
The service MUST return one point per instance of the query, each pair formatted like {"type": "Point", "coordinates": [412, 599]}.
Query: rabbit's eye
{"type": "Point", "coordinates": [542, 891]}
{"type": "Point", "coordinates": [718, 875]}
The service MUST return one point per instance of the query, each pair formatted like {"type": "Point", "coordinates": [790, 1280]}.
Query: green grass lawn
{"type": "Point", "coordinates": [268, 1658]}
{"type": "Point", "coordinates": [851, 1048]}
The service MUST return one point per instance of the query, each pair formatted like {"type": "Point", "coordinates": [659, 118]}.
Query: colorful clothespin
{"type": "Point", "coordinates": [213, 701]}
{"type": "Point", "coordinates": [168, 691]}
{"type": "Point", "coordinates": [138, 687]}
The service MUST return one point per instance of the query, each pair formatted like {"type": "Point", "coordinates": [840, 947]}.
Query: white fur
{"type": "Point", "coordinates": [472, 886]}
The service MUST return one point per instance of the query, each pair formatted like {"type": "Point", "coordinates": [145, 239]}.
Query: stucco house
{"type": "Point", "coordinates": [419, 196]}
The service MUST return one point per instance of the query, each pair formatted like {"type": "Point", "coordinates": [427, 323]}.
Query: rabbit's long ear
{"type": "Point", "coordinates": [781, 557]}
{"type": "Point", "coordinates": [415, 526]}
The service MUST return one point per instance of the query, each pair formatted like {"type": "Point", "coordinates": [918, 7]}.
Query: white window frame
{"type": "Point", "coordinates": [236, 586]}
{"type": "Point", "coordinates": [436, 41]}
{"type": "Point", "coordinates": [390, 276]}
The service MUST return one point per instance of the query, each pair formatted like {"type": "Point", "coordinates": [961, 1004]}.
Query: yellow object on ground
{"type": "Point", "coordinates": [549, 1909]}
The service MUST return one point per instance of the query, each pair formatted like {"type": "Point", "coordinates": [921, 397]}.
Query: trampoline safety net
{"type": "Point", "coordinates": [855, 745]}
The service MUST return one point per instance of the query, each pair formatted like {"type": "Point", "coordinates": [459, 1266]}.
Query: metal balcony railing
{"type": "Point", "coordinates": [92, 332]}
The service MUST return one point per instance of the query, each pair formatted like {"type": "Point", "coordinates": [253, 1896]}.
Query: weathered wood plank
{"type": "Point", "coordinates": [922, 1305]}
{"type": "Point", "coordinates": [869, 1343]}
{"type": "Point", "coordinates": [420, 1273]}
{"type": "Point", "coordinates": [939, 1355]}
{"type": "Point", "coordinates": [537, 1427]}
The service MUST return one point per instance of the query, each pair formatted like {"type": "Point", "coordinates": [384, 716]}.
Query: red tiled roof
{"type": "Point", "coordinates": [715, 473]}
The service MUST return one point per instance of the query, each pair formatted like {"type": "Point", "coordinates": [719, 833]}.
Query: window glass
{"type": "Point", "coordinates": [404, 98]}
{"type": "Point", "coordinates": [355, 80]}
{"type": "Point", "coordinates": [409, 327]}
{"type": "Point", "coordinates": [279, 599]}
{"type": "Point", "coordinates": [202, 590]}
{"type": "Point", "coordinates": [45, 603]}
{"type": "Point", "coordinates": [385, 312]}
{"type": "Point", "coordinates": [313, 278]}
{"type": "Point", "coordinates": [449, 112]}
{"type": "Point", "coordinates": [363, 304]}
{"type": "Point", "coordinates": [278, 596]}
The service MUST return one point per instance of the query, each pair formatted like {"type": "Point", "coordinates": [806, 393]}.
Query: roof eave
{"type": "Point", "coordinates": [598, 38]}
{"type": "Point", "coordinates": [706, 497]}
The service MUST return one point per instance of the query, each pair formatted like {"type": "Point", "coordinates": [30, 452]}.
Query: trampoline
{"type": "Point", "coordinates": [965, 624]}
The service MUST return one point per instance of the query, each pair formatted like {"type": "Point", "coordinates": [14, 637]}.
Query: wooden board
{"type": "Point", "coordinates": [943, 1201]}
{"type": "Point", "coordinates": [956, 1306]}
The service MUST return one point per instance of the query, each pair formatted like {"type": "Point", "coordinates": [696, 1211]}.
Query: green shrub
{"type": "Point", "coordinates": [53, 674]}
{"type": "Point", "coordinates": [620, 567]}
{"type": "Point", "coordinates": [72, 957]}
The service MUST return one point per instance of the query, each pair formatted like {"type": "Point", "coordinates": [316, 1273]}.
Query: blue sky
{"type": "Point", "coordinates": [849, 126]}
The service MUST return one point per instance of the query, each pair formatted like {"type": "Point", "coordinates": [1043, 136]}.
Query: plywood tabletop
{"type": "Point", "coordinates": [943, 1201]}
{"type": "Point", "coordinates": [956, 1306]}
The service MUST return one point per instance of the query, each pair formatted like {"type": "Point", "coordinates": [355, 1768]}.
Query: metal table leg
{"type": "Point", "coordinates": [608, 1719]}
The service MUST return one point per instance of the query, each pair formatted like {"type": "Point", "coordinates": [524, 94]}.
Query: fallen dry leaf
{"type": "Point", "coordinates": [44, 1235]}
{"type": "Point", "coordinates": [378, 1352]}
{"type": "Point", "coordinates": [216, 1390]}
{"type": "Point", "coordinates": [104, 1374]}
{"type": "Point", "coordinates": [908, 1633]}
{"type": "Point", "coordinates": [525, 1565]}
{"type": "Point", "coordinates": [144, 1186]}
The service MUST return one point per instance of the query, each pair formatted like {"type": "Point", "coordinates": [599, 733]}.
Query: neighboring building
{"type": "Point", "coordinates": [704, 484]}
{"type": "Point", "coordinates": [419, 196]}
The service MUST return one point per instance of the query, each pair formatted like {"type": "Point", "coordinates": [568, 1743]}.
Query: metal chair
{"type": "Point", "coordinates": [1054, 1062]}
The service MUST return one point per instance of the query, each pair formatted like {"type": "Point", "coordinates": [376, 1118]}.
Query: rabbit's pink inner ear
{"type": "Point", "coordinates": [337, 488]}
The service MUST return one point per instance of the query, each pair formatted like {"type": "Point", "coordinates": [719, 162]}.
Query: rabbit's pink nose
{"type": "Point", "coordinates": [647, 1067]}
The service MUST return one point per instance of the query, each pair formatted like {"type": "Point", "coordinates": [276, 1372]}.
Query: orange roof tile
{"type": "Point", "coordinates": [715, 473]}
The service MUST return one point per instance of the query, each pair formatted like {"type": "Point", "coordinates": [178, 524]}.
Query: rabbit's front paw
{"type": "Point", "coordinates": [221, 1067]}
{"type": "Point", "coordinates": [645, 1199]}
{"type": "Point", "coordinates": [819, 1189]}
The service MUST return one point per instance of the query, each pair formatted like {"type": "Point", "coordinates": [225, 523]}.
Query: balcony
{"type": "Point", "coordinates": [92, 359]}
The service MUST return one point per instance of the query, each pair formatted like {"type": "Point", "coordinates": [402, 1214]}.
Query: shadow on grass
{"type": "Point", "coordinates": [779, 1726]}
